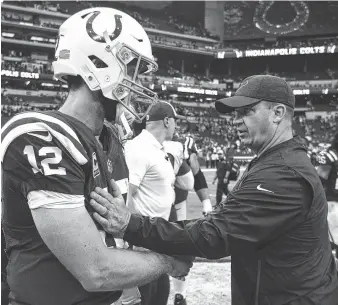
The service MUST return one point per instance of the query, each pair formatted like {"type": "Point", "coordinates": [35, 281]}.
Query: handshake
{"type": "Point", "coordinates": [113, 215]}
{"type": "Point", "coordinates": [181, 265]}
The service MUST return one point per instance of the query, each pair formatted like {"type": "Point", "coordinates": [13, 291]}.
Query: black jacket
{"type": "Point", "coordinates": [274, 226]}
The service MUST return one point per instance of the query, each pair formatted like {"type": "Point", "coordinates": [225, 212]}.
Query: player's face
{"type": "Point", "coordinates": [254, 125]}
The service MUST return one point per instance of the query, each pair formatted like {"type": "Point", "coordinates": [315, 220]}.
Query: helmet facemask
{"type": "Point", "coordinates": [137, 99]}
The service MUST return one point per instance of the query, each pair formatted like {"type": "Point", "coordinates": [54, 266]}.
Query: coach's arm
{"type": "Point", "coordinates": [250, 218]}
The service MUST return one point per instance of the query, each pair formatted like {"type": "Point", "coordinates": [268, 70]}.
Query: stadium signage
{"type": "Point", "coordinates": [197, 90]}
{"type": "Point", "coordinates": [301, 91]}
{"type": "Point", "coordinates": [18, 74]}
{"type": "Point", "coordinates": [278, 51]}
{"type": "Point", "coordinates": [285, 51]}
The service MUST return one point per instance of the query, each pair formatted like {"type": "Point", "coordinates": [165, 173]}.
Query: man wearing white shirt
{"type": "Point", "coordinates": [151, 181]}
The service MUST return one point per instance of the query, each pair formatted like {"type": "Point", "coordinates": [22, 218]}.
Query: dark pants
{"type": "Point", "coordinates": [213, 163]}
{"type": "Point", "coordinates": [157, 292]}
{"type": "Point", "coordinates": [222, 188]}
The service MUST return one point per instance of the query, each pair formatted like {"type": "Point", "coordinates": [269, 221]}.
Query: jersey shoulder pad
{"type": "Point", "coordinates": [41, 131]}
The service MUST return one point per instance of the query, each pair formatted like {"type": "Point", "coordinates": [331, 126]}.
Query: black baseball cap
{"type": "Point", "coordinates": [162, 110]}
{"type": "Point", "coordinates": [258, 88]}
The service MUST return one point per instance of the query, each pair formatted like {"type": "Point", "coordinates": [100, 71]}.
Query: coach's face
{"type": "Point", "coordinates": [254, 125]}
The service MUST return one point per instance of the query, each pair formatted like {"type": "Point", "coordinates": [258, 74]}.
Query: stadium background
{"type": "Point", "coordinates": [202, 56]}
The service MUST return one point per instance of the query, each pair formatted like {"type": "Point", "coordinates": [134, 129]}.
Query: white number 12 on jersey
{"type": "Point", "coordinates": [47, 171]}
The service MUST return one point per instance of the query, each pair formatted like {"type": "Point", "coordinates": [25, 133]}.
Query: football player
{"type": "Point", "coordinates": [52, 161]}
{"type": "Point", "coordinates": [184, 177]}
{"type": "Point", "coordinates": [200, 186]}
{"type": "Point", "coordinates": [184, 154]}
{"type": "Point", "coordinates": [327, 168]}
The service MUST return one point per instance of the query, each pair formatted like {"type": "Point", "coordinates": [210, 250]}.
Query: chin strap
{"type": "Point", "coordinates": [125, 131]}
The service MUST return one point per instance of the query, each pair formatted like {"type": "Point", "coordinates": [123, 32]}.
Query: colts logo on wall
{"type": "Point", "coordinates": [96, 170]}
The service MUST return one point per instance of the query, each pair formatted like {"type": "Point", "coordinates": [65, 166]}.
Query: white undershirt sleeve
{"type": "Point", "coordinates": [54, 200]}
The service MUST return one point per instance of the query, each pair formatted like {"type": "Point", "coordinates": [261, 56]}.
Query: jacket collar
{"type": "Point", "coordinates": [295, 142]}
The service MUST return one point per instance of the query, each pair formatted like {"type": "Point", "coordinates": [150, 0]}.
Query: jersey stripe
{"type": "Point", "coordinates": [333, 154]}
{"type": "Point", "coordinates": [54, 200]}
{"type": "Point", "coordinates": [43, 117]}
{"type": "Point", "coordinates": [40, 126]}
{"type": "Point", "coordinates": [328, 155]}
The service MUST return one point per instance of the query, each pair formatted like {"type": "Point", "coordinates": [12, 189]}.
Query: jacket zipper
{"type": "Point", "coordinates": [258, 281]}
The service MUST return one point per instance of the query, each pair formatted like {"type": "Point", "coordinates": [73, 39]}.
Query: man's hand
{"type": "Point", "coordinates": [225, 180]}
{"type": "Point", "coordinates": [111, 212]}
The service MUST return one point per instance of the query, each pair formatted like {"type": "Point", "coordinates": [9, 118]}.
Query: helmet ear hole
{"type": "Point", "coordinates": [98, 63]}
{"type": "Point", "coordinates": [74, 82]}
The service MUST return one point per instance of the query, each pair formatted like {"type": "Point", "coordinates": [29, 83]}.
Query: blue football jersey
{"type": "Point", "coordinates": [54, 152]}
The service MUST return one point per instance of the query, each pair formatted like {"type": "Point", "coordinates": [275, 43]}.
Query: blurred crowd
{"type": "Point", "coordinates": [320, 129]}
{"type": "Point", "coordinates": [167, 70]}
{"type": "Point", "coordinates": [11, 110]}
{"type": "Point", "coordinates": [27, 64]}
{"type": "Point", "coordinates": [213, 134]}
{"type": "Point", "coordinates": [147, 18]}
{"type": "Point", "coordinates": [32, 20]}
{"type": "Point", "coordinates": [14, 103]}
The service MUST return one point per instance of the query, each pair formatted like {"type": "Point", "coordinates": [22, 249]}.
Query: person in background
{"type": "Point", "coordinates": [327, 168]}
{"type": "Point", "coordinates": [222, 176]}
{"type": "Point", "coordinates": [152, 178]}
{"type": "Point", "coordinates": [188, 155]}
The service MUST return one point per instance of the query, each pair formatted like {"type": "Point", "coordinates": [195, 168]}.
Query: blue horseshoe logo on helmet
{"type": "Point", "coordinates": [98, 38]}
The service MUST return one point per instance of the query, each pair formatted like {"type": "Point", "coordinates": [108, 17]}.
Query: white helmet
{"type": "Point", "coordinates": [108, 49]}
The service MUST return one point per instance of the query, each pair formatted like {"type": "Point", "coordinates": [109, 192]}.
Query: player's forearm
{"type": "Point", "coordinates": [194, 164]}
{"type": "Point", "coordinates": [126, 269]}
{"type": "Point", "coordinates": [203, 194]}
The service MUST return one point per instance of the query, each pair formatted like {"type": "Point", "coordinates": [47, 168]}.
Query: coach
{"type": "Point", "coordinates": [274, 221]}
